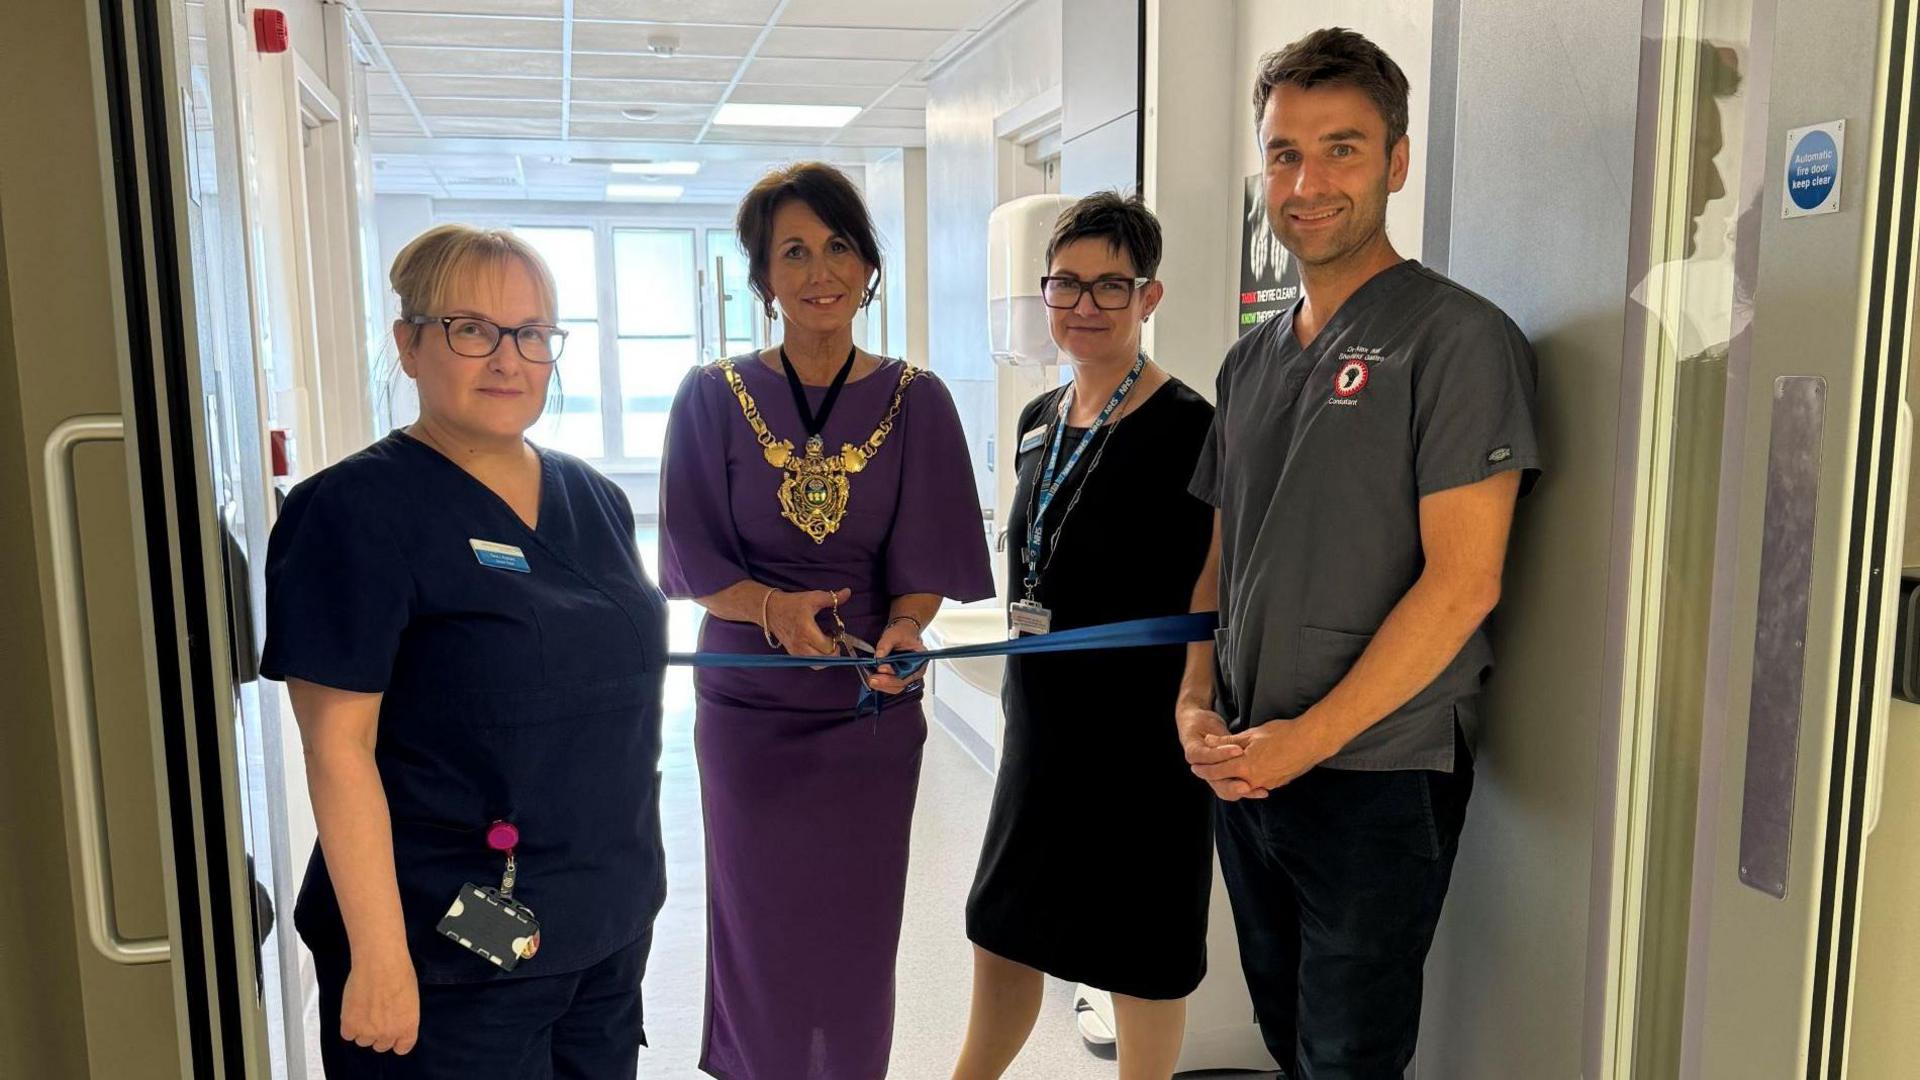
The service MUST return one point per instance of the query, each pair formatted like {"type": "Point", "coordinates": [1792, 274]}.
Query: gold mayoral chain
{"type": "Point", "coordinates": [813, 494]}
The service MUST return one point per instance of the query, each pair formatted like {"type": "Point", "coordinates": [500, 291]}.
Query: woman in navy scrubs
{"type": "Point", "coordinates": [475, 659]}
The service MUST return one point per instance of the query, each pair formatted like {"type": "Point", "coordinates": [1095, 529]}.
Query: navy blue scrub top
{"type": "Point", "coordinates": [527, 697]}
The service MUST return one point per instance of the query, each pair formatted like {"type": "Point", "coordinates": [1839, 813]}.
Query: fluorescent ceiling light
{"type": "Point", "coordinates": [657, 168]}
{"type": "Point", "coordinates": [735, 114]}
{"type": "Point", "coordinates": [650, 192]}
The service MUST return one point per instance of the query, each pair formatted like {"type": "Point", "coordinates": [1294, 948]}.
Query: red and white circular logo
{"type": "Point", "coordinates": [1351, 378]}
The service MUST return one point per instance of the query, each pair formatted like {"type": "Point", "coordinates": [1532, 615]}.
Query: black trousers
{"type": "Point", "coordinates": [572, 1026]}
{"type": "Point", "coordinates": [1336, 882]}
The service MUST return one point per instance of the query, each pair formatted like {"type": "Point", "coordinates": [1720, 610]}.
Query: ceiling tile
{"type": "Point", "coordinates": [490, 32]}
{"type": "Point", "coordinates": [395, 125]}
{"type": "Point", "coordinates": [854, 43]}
{"type": "Point", "coordinates": [588, 65]}
{"type": "Point", "coordinates": [774, 94]}
{"type": "Point", "coordinates": [406, 186]}
{"type": "Point", "coordinates": [894, 118]}
{"type": "Point", "coordinates": [829, 72]}
{"type": "Point", "coordinates": [647, 93]}
{"type": "Point", "coordinates": [531, 110]}
{"type": "Point", "coordinates": [410, 60]}
{"type": "Point", "coordinates": [464, 125]}
{"type": "Point", "coordinates": [905, 97]}
{"type": "Point", "coordinates": [743, 12]}
{"type": "Point", "coordinates": [467, 7]}
{"type": "Point", "coordinates": [945, 15]}
{"type": "Point", "coordinates": [381, 82]}
{"type": "Point", "coordinates": [693, 40]}
{"type": "Point", "coordinates": [387, 105]}
{"type": "Point", "coordinates": [476, 86]}
{"type": "Point", "coordinates": [627, 129]}
{"type": "Point", "coordinates": [796, 136]}
{"type": "Point", "coordinates": [879, 136]}
{"type": "Point", "coordinates": [609, 112]}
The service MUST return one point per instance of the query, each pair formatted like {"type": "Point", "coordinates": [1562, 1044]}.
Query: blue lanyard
{"type": "Point", "coordinates": [1050, 481]}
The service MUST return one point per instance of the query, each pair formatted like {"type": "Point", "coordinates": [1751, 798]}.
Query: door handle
{"type": "Point", "coordinates": [720, 303]}
{"type": "Point", "coordinates": [76, 674]}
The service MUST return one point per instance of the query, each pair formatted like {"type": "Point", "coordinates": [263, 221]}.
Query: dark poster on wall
{"type": "Point", "coordinates": [1269, 282]}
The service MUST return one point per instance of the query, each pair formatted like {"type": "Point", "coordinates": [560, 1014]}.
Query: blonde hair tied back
{"type": "Point", "coordinates": [437, 262]}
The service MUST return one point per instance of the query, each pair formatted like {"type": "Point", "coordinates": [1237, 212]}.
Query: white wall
{"type": "Point", "coordinates": [1015, 63]}
{"type": "Point", "coordinates": [1192, 74]}
{"type": "Point", "coordinates": [897, 196]}
{"type": "Point", "coordinates": [396, 220]}
{"type": "Point", "coordinates": [306, 30]}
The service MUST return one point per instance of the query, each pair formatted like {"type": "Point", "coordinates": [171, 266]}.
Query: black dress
{"type": "Point", "coordinates": [1097, 862]}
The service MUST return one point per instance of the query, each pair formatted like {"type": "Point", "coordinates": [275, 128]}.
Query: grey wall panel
{"type": "Point", "coordinates": [1100, 64]}
{"type": "Point", "coordinates": [1540, 224]}
{"type": "Point", "coordinates": [1014, 64]}
{"type": "Point", "coordinates": [1106, 157]}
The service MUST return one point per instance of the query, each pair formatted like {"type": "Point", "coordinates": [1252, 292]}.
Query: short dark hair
{"type": "Point", "coordinates": [1337, 57]}
{"type": "Point", "coordinates": [1123, 221]}
{"type": "Point", "coordinates": [832, 198]}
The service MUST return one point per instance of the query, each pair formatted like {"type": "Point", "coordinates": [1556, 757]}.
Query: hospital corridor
{"type": "Point", "coordinates": [959, 539]}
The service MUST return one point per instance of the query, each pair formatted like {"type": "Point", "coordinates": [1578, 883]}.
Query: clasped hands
{"type": "Point", "coordinates": [793, 620]}
{"type": "Point", "coordinates": [1255, 762]}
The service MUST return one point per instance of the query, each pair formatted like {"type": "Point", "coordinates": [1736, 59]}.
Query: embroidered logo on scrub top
{"type": "Point", "coordinates": [1352, 375]}
{"type": "Point", "coordinates": [500, 556]}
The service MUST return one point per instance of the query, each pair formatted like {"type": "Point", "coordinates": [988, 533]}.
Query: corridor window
{"type": "Point", "coordinates": [658, 340]}
{"type": "Point", "coordinates": [573, 421]}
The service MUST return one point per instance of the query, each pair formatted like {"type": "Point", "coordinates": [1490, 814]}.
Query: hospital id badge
{"type": "Point", "coordinates": [1025, 617]}
{"type": "Point", "coordinates": [493, 927]}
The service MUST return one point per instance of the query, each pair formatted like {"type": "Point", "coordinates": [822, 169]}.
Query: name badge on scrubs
{"type": "Point", "coordinates": [1032, 439]}
{"type": "Point", "coordinates": [500, 556]}
{"type": "Point", "coordinates": [1025, 617]}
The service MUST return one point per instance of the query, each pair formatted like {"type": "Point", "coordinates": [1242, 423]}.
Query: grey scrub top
{"type": "Point", "coordinates": [1317, 461]}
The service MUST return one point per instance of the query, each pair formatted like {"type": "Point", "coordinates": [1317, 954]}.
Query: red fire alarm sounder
{"type": "Point", "coordinates": [269, 30]}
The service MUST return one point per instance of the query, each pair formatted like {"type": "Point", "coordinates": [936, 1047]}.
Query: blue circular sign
{"type": "Point", "coordinates": [1812, 165]}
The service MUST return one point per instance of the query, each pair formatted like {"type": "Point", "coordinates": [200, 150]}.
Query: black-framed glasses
{"type": "Point", "coordinates": [475, 337]}
{"type": "Point", "coordinates": [1109, 293]}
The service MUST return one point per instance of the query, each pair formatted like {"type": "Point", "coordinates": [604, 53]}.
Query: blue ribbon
{"type": "Point", "coordinates": [1132, 634]}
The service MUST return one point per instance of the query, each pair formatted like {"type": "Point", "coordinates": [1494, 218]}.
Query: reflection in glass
{"type": "Point", "coordinates": [1694, 313]}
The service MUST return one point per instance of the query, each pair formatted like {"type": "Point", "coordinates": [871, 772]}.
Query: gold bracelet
{"type": "Point", "coordinates": [918, 626]}
{"type": "Point", "coordinates": [765, 630]}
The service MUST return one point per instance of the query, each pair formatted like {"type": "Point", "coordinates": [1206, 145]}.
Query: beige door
{"type": "Point", "coordinates": [132, 467]}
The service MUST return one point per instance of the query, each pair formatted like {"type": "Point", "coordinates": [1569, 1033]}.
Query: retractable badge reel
{"type": "Point", "coordinates": [489, 922]}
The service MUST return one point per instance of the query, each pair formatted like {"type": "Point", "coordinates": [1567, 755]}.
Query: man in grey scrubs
{"type": "Point", "coordinates": [1366, 455]}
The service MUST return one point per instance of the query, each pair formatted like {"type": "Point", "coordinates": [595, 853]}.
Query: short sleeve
{"type": "Point", "coordinates": [1474, 408]}
{"type": "Point", "coordinates": [1205, 485]}
{"type": "Point", "coordinates": [339, 590]}
{"type": "Point", "coordinates": [939, 542]}
{"type": "Point", "coordinates": [625, 506]}
{"type": "Point", "coordinates": [700, 549]}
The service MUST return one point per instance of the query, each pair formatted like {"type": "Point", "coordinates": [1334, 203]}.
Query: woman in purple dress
{"type": "Point", "coordinates": [808, 488]}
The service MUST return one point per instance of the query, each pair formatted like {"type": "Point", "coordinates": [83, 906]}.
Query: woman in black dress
{"type": "Point", "coordinates": [1098, 856]}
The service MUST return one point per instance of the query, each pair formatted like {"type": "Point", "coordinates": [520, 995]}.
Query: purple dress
{"type": "Point", "coordinates": [807, 806]}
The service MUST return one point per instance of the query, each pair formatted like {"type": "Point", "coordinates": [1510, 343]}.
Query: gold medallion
{"type": "Point", "coordinates": [814, 492]}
